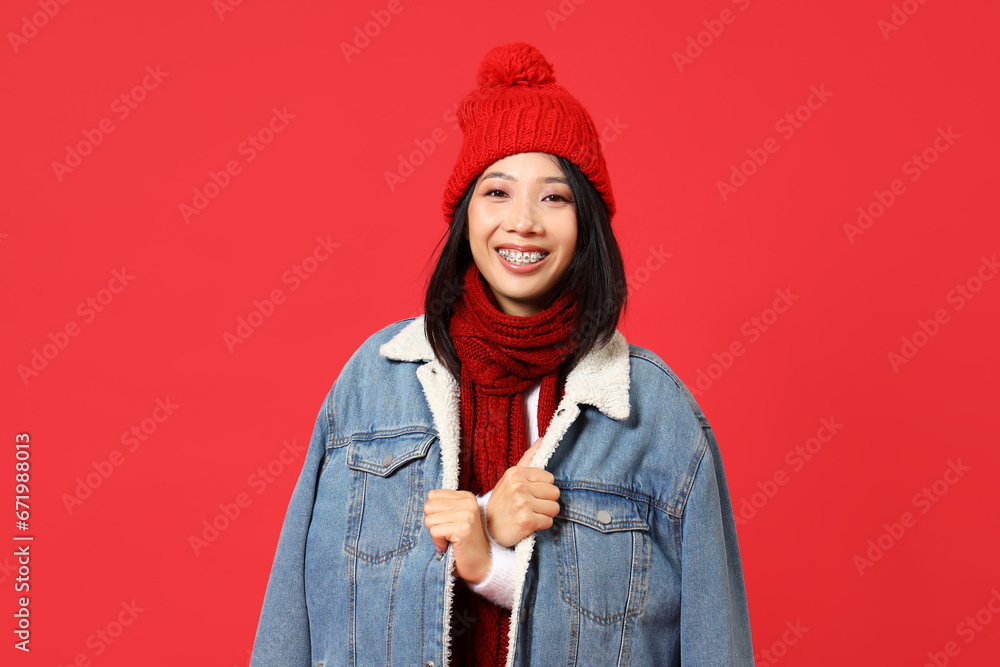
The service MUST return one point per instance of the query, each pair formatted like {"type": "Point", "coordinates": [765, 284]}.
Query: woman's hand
{"type": "Point", "coordinates": [523, 501]}
{"type": "Point", "coordinates": [453, 516]}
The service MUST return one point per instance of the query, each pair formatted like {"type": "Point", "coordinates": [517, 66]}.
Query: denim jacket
{"type": "Point", "coordinates": [641, 566]}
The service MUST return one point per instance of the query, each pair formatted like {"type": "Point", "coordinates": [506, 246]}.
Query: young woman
{"type": "Point", "coordinates": [424, 529]}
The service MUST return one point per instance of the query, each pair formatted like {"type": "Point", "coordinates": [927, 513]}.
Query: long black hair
{"type": "Point", "coordinates": [596, 274]}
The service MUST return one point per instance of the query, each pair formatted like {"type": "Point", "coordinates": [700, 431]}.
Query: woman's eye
{"type": "Point", "coordinates": [553, 197]}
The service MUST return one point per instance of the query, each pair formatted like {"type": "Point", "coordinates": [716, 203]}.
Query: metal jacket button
{"type": "Point", "coordinates": [604, 516]}
{"type": "Point", "coordinates": [387, 460]}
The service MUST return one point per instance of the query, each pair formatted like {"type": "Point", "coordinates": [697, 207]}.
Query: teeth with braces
{"type": "Point", "coordinates": [521, 258]}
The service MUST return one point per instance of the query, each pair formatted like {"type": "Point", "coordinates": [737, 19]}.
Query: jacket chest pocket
{"type": "Point", "coordinates": [385, 510]}
{"type": "Point", "coordinates": [603, 551]}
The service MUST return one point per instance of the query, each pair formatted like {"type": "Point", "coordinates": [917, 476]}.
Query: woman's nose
{"type": "Point", "coordinates": [524, 217]}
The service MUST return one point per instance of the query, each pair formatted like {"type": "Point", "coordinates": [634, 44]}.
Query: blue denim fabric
{"type": "Point", "coordinates": [641, 566]}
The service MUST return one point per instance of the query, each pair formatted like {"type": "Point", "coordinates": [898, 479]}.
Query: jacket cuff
{"type": "Point", "coordinates": [498, 586]}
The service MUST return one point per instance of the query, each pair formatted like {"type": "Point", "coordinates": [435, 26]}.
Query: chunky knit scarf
{"type": "Point", "coordinates": [501, 356]}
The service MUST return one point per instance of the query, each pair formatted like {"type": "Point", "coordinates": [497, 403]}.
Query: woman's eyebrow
{"type": "Point", "coordinates": [508, 177]}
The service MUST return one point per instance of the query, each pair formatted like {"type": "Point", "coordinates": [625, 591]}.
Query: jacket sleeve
{"type": "Point", "coordinates": [715, 623]}
{"type": "Point", "coordinates": [283, 630]}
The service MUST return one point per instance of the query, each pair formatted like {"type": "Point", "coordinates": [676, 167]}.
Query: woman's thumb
{"type": "Point", "coordinates": [529, 453]}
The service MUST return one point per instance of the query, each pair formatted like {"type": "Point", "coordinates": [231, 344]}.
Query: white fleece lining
{"type": "Point", "coordinates": [442, 394]}
{"type": "Point", "coordinates": [600, 379]}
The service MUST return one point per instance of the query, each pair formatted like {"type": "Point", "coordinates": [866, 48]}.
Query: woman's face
{"type": "Point", "coordinates": [522, 203]}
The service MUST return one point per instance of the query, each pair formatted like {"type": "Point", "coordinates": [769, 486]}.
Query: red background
{"type": "Point", "coordinates": [674, 134]}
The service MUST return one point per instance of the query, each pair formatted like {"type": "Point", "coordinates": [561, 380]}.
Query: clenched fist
{"type": "Point", "coordinates": [453, 516]}
{"type": "Point", "coordinates": [523, 501]}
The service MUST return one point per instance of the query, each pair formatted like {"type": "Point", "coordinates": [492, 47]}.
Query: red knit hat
{"type": "Point", "coordinates": [519, 108]}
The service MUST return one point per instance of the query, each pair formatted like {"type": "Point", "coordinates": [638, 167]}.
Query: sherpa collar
{"type": "Point", "coordinates": [600, 379]}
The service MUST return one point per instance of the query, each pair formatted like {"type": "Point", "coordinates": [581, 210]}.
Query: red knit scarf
{"type": "Point", "coordinates": [501, 356]}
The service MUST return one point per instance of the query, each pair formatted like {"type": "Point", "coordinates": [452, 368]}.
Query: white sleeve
{"type": "Point", "coordinates": [498, 586]}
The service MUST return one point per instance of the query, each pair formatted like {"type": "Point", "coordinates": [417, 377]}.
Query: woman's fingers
{"type": "Point", "coordinates": [447, 529]}
{"type": "Point", "coordinates": [453, 517]}
{"type": "Point", "coordinates": [529, 453]}
{"type": "Point", "coordinates": [443, 500]}
{"type": "Point", "coordinates": [540, 488]}
{"type": "Point", "coordinates": [535, 515]}
{"type": "Point", "coordinates": [535, 497]}
{"type": "Point", "coordinates": [549, 508]}
{"type": "Point", "coordinates": [440, 541]}
{"type": "Point", "coordinates": [521, 475]}
{"type": "Point", "coordinates": [523, 501]}
{"type": "Point", "coordinates": [434, 521]}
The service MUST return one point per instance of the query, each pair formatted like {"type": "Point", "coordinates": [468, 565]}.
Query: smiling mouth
{"type": "Point", "coordinates": [522, 258]}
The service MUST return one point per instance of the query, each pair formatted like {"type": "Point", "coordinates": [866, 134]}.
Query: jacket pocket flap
{"type": "Point", "coordinates": [602, 510]}
{"type": "Point", "coordinates": [384, 453]}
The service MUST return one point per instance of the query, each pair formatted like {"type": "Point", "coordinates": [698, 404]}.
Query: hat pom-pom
{"type": "Point", "coordinates": [515, 64]}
